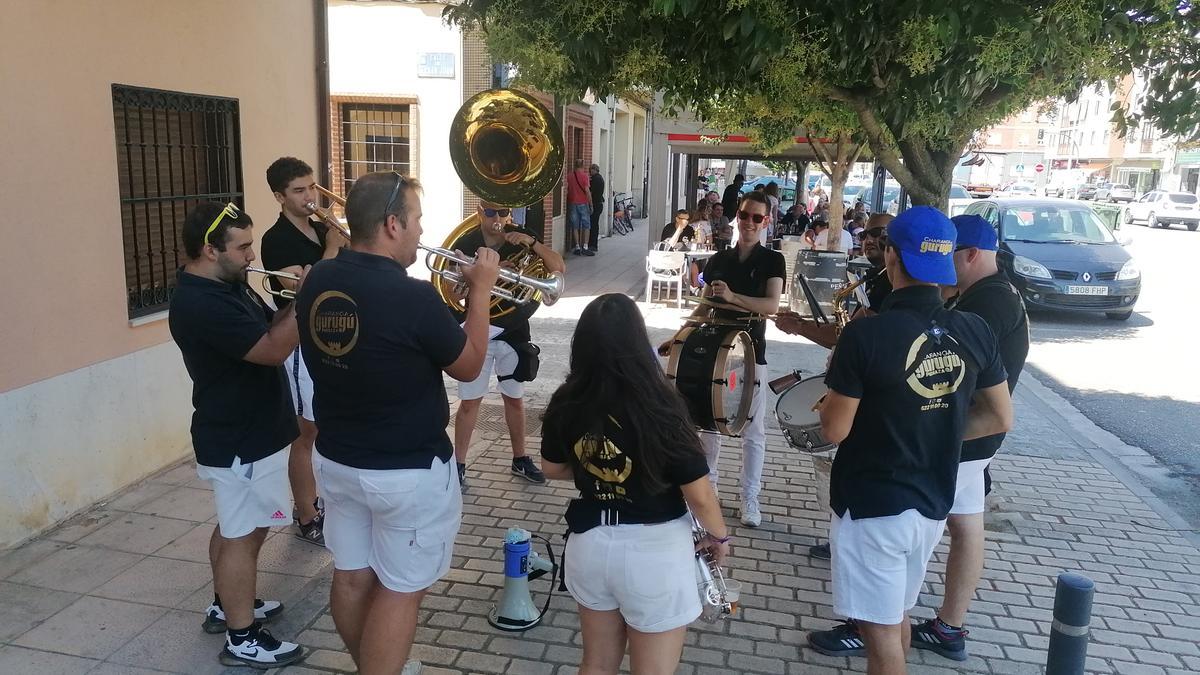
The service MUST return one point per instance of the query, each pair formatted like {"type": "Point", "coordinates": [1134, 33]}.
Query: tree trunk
{"type": "Point", "coordinates": [837, 167]}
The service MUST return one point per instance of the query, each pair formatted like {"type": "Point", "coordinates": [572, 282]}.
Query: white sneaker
{"type": "Point", "coordinates": [751, 516]}
{"type": "Point", "coordinates": [260, 650]}
{"type": "Point", "coordinates": [411, 667]}
{"type": "Point", "coordinates": [264, 611]}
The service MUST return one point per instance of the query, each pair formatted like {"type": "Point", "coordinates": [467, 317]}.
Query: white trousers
{"type": "Point", "coordinates": [754, 442]}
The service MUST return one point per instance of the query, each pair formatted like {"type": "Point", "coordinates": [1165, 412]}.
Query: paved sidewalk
{"type": "Point", "coordinates": [120, 588]}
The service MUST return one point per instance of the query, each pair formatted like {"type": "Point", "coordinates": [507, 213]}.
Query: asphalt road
{"type": "Point", "coordinates": [1139, 379]}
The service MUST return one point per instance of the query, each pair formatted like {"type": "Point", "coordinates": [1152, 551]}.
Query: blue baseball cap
{"type": "Point", "coordinates": [975, 232]}
{"type": "Point", "coordinates": [925, 238]}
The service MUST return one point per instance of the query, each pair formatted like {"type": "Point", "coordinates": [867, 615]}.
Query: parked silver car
{"type": "Point", "coordinates": [1114, 192]}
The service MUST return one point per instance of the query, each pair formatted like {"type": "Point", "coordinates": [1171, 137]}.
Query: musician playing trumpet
{"type": "Point", "coordinates": [294, 242]}
{"type": "Point", "coordinates": [507, 335]}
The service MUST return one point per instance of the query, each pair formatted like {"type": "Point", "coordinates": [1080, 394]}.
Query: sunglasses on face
{"type": "Point", "coordinates": [492, 213]}
{"type": "Point", "coordinates": [876, 233]}
{"type": "Point", "coordinates": [756, 217]}
{"type": "Point", "coordinates": [230, 210]}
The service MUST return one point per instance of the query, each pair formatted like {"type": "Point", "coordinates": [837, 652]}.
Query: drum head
{"type": "Point", "coordinates": [801, 425]}
{"type": "Point", "coordinates": [734, 382]}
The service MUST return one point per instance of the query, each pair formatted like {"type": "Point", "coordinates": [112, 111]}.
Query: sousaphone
{"type": "Point", "coordinates": [508, 149]}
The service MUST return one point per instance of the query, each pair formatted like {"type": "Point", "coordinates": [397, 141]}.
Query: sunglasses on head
{"type": "Point", "coordinates": [387, 210]}
{"type": "Point", "coordinates": [876, 232]}
{"type": "Point", "coordinates": [492, 213]}
{"type": "Point", "coordinates": [756, 217]}
{"type": "Point", "coordinates": [230, 210]}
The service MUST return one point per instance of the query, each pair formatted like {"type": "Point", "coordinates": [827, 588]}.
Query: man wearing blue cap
{"type": "Point", "coordinates": [983, 290]}
{"type": "Point", "coordinates": [906, 388]}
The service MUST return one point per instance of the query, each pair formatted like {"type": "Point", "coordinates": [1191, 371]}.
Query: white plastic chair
{"type": "Point", "coordinates": [666, 267]}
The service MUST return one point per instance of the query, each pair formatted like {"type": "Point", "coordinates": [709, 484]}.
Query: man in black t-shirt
{"type": "Point", "coordinates": [675, 232]}
{"type": "Point", "coordinates": [507, 335]}
{"type": "Point", "coordinates": [983, 290]}
{"type": "Point", "coordinates": [748, 278]}
{"type": "Point", "coordinates": [293, 242]}
{"type": "Point", "coordinates": [596, 185]}
{"type": "Point", "coordinates": [377, 342]}
{"type": "Point", "coordinates": [733, 195]}
{"type": "Point", "coordinates": [906, 388]}
{"type": "Point", "coordinates": [233, 346]}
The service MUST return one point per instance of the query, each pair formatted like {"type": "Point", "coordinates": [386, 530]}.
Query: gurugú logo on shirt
{"type": "Point", "coordinates": [333, 323]}
{"type": "Point", "coordinates": [939, 372]}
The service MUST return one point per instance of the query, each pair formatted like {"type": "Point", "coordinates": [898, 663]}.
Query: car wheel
{"type": "Point", "coordinates": [1192, 226]}
{"type": "Point", "coordinates": [1128, 217]}
{"type": "Point", "coordinates": [1151, 220]}
{"type": "Point", "coordinates": [1119, 316]}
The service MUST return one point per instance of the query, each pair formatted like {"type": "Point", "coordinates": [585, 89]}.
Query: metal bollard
{"type": "Point", "coordinates": [1069, 632]}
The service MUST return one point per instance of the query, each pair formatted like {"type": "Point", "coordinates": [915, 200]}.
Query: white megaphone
{"type": "Point", "coordinates": [515, 611]}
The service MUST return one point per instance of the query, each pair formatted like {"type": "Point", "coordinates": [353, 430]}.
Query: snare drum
{"type": "Point", "coordinates": [801, 425]}
{"type": "Point", "coordinates": [713, 368]}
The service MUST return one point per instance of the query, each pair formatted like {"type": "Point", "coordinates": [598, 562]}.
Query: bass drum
{"type": "Point", "coordinates": [713, 367]}
{"type": "Point", "coordinates": [801, 425]}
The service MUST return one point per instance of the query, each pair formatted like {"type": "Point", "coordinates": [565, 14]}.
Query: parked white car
{"type": "Point", "coordinates": [1115, 192]}
{"type": "Point", "coordinates": [960, 199]}
{"type": "Point", "coordinates": [1159, 208]}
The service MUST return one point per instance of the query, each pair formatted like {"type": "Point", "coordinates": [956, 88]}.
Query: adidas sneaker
{"type": "Point", "coordinates": [258, 649]}
{"type": "Point", "coordinates": [264, 611]}
{"type": "Point", "coordinates": [843, 640]}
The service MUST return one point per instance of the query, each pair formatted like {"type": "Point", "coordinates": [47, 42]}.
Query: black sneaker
{"type": "Point", "coordinates": [259, 650]}
{"type": "Point", "coordinates": [525, 468]}
{"type": "Point", "coordinates": [313, 531]}
{"type": "Point", "coordinates": [462, 477]}
{"type": "Point", "coordinates": [940, 639]}
{"type": "Point", "coordinates": [843, 640]}
{"type": "Point", "coordinates": [820, 551]}
{"type": "Point", "coordinates": [264, 611]}
{"type": "Point", "coordinates": [588, 252]}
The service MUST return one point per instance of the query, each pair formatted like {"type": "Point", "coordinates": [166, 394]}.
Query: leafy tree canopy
{"type": "Point", "coordinates": [913, 78]}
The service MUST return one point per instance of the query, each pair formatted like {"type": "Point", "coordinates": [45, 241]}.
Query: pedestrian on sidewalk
{"type": "Point", "coordinates": [234, 347]}
{"type": "Point", "coordinates": [296, 240]}
{"type": "Point", "coordinates": [984, 290]}
{"type": "Point", "coordinates": [906, 388]}
{"type": "Point", "coordinates": [598, 196]}
{"type": "Point", "coordinates": [377, 342]}
{"type": "Point", "coordinates": [748, 278]}
{"type": "Point", "coordinates": [508, 343]}
{"type": "Point", "coordinates": [622, 433]}
{"type": "Point", "coordinates": [579, 209]}
{"type": "Point", "coordinates": [733, 195]}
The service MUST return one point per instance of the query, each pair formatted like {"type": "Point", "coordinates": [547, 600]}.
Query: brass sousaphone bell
{"type": "Point", "coordinates": [508, 149]}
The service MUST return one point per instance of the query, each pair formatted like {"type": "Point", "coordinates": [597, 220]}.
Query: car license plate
{"type": "Point", "coordinates": [1087, 290]}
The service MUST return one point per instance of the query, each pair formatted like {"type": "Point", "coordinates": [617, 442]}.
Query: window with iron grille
{"type": "Point", "coordinates": [375, 137]}
{"type": "Point", "coordinates": [174, 150]}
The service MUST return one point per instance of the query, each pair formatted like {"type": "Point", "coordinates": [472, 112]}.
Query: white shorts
{"type": "Point", "coordinates": [400, 523]}
{"type": "Point", "coordinates": [648, 572]}
{"type": "Point", "coordinates": [968, 491]}
{"type": "Point", "coordinates": [879, 564]}
{"type": "Point", "coordinates": [250, 496]}
{"type": "Point", "coordinates": [502, 358]}
{"type": "Point", "coordinates": [301, 384]}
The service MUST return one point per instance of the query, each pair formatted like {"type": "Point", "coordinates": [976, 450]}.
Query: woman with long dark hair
{"type": "Point", "coordinates": [622, 433]}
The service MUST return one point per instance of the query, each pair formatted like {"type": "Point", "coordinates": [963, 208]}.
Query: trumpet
{"type": "Point", "coordinates": [284, 293]}
{"type": "Point", "coordinates": [327, 214]}
{"type": "Point", "coordinates": [520, 289]}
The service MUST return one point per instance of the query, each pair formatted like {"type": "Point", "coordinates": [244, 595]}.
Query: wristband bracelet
{"type": "Point", "coordinates": [721, 540]}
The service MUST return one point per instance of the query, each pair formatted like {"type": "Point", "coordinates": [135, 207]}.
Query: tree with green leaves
{"type": "Point", "coordinates": [914, 79]}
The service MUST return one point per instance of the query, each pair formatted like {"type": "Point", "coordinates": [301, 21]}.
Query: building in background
{"type": "Point", "coordinates": [153, 108]}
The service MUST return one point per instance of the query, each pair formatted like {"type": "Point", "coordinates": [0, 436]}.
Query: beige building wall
{"type": "Point", "coordinates": [374, 51]}
{"type": "Point", "coordinates": [90, 402]}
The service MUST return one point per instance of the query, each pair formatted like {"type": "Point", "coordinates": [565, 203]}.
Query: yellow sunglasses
{"type": "Point", "coordinates": [230, 210]}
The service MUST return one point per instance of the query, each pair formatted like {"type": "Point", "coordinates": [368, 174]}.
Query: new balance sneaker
{"type": "Point", "coordinates": [842, 640]}
{"type": "Point", "coordinates": [940, 639]}
{"type": "Point", "coordinates": [264, 611]}
{"type": "Point", "coordinates": [751, 515]}
{"type": "Point", "coordinates": [525, 468]}
{"type": "Point", "coordinates": [313, 531]}
{"type": "Point", "coordinates": [820, 552]}
{"type": "Point", "coordinates": [462, 477]}
{"type": "Point", "coordinates": [257, 648]}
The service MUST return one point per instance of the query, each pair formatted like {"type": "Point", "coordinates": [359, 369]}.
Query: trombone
{"type": "Point", "coordinates": [285, 293]}
{"type": "Point", "coordinates": [327, 214]}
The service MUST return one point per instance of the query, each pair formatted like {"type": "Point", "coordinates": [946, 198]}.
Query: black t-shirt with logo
{"type": "Point", "coordinates": [283, 246]}
{"type": "Point", "coordinates": [878, 286]}
{"type": "Point", "coordinates": [375, 342]}
{"type": "Point", "coordinates": [609, 480]}
{"type": "Point", "coordinates": [747, 278]}
{"type": "Point", "coordinates": [914, 382]}
{"type": "Point", "coordinates": [995, 300]}
{"type": "Point", "coordinates": [242, 409]}
{"type": "Point", "coordinates": [516, 322]}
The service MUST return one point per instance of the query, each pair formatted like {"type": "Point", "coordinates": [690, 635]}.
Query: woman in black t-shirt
{"type": "Point", "coordinates": [622, 433]}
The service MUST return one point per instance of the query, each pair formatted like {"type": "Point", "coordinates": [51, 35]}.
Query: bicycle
{"type": "Point", "coordinates": [622, 213]}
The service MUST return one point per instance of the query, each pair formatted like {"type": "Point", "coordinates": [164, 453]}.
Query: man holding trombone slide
{"type": "Point", "coordinates": [376, 342]}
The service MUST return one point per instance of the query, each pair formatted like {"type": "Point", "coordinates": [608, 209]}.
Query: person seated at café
{"type": "Point", "coordinates": [678, 231]}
